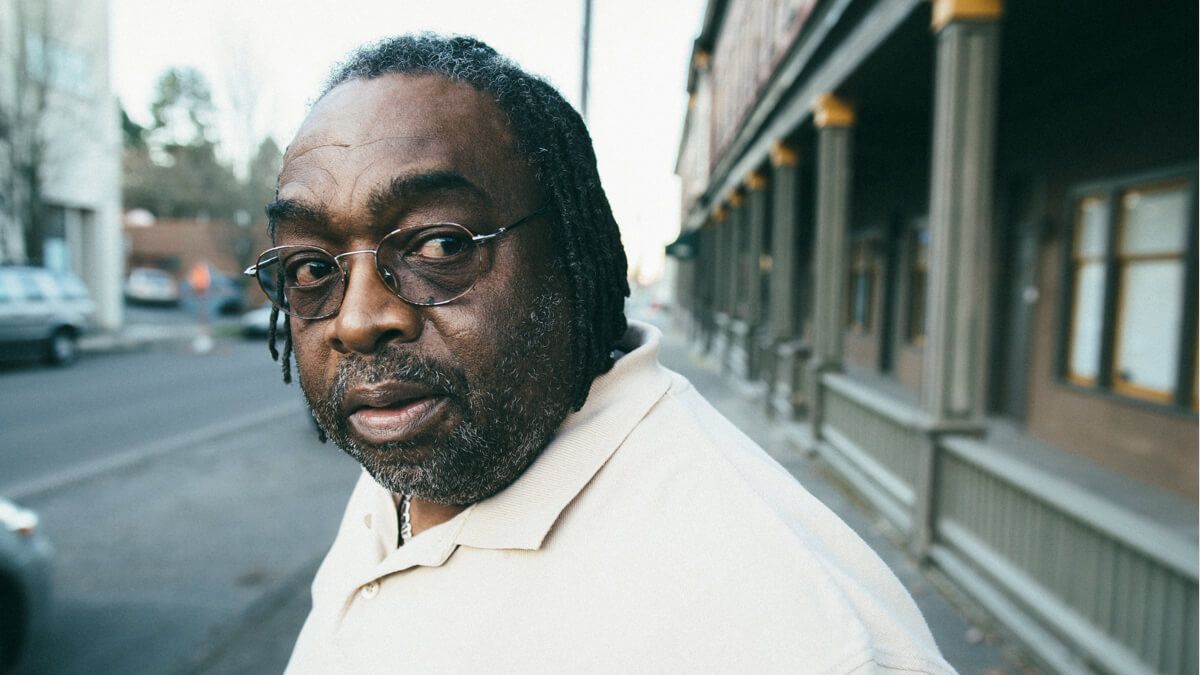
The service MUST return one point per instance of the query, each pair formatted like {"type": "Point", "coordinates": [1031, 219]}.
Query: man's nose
{"type": "Point", "coordinates": [371, 315]}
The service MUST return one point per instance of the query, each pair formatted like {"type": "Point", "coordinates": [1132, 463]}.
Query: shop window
{"type": "Point", "coordinates": [918, 255]}
{"type": "Point", "coordinates": [1129, 300]}
{"type": "Point", "coordinates": [862, 288]}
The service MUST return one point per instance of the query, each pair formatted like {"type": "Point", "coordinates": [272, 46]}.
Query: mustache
{"type": "Point", "coordinates": [393, 363]}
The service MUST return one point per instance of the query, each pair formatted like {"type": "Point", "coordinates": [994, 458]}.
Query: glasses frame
{"type": "Point", "coordinates": [476, 240]}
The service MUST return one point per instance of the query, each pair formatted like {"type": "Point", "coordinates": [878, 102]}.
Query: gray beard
{"type": "Point", "coordinates": [504, 420]}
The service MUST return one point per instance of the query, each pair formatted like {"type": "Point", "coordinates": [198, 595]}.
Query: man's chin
{"type": "Point", "coordinates": [459, 468]}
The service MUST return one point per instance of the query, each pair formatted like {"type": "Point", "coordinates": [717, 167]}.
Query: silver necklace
{"type": "Point", "coordinates": [405, 520]}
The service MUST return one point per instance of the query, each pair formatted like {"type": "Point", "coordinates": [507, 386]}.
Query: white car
{"type": "Point", "coordinates": [257, 322]}
{"type": "Point", "coordinates": [44, 312]}
{"type": "Point", "coordinates": [151, 286]}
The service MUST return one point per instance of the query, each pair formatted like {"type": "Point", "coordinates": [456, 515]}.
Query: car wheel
{"type": "Point", "coordinates": [62, 349]}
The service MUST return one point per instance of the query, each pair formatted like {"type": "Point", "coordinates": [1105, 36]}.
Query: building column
{"type": "Point", "coordinates": [722, 299]}
{"type": "Point", "coordinates": [960, 224]}
{"type": "Point", "coordinates": [704, 309]}
{"type": "Point", "coordinates": [735, 311]}
{"type": "Point", "coordinates": [834, 120]}
{"type": "Point", "coordinates": [755, 232]}
{"type": "Point", "coordinates": [786, 383]}
{"type": "Point", "coordinates": [960, 208]}
{"type": "Point", "coordinates": [783, 322]}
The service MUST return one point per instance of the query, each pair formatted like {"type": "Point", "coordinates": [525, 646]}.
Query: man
{"type": "Point", "coordinates": [539, 494]}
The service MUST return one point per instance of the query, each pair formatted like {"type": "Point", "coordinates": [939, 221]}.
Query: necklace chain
{"type": "Point", "coordinates": [405, 520]}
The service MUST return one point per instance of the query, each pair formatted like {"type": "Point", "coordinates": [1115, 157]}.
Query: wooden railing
{"type": "Point", "coordinates": [1088, 585]}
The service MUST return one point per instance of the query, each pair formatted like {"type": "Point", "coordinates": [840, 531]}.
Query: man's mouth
{"type": "Point", "coordinates": [392, 411]}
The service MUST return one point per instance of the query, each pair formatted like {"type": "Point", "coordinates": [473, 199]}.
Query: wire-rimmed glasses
{"type": "Point", "coordinates": [430, 264]}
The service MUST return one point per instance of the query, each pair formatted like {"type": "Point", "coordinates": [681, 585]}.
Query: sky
{"type": "Point", "coordinates": [266, 61]}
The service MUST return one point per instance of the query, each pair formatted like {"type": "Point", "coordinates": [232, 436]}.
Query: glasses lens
{"type": "Point", "coordinates": [429, 265]}
{"type": "Point", "coordinates": [302, 281]}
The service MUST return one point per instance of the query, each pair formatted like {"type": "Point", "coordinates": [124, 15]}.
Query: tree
{"type": "Point", "coordinates": [22, 132]}
{"type": "Point", "coordinates": [171, 167]}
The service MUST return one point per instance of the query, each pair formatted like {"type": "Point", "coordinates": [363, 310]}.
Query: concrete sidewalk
{"type": "Point", "coordinates": [132, 337]}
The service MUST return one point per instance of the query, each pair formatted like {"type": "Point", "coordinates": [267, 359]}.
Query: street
{"type": "Point", "coordinates": [182, 492]}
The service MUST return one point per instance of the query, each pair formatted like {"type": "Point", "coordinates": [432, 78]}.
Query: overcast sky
{"type": "Point", "coordinates": [277, 53]}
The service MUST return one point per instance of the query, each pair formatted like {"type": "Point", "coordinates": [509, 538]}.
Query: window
{"type": "Point", "coordinates": [1089, 267]}
{"type": "Point", "coordinates": [1130, 304]}
{"type": "Point", "coordinates": [862, 287]}
{"type": "Point", "coordinates": [918, 255]}
{"type": "Point", "coordinates": [33, 289]}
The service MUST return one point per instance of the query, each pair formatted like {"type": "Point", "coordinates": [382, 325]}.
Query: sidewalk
{"type": "Point", "coordinates": [969, 648]}
{"type": "Point", "coordinates": [136, 336]}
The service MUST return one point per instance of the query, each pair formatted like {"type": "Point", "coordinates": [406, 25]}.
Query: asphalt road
{"type": "Point", "coordinates": [184, 493]}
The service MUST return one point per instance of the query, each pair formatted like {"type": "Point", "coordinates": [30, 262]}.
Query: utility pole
{"type": "Point", "coordinates": [587, 49]}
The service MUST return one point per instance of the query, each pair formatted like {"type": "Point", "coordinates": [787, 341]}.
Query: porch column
{"type": "Point", "coordinates": [960, 209]}
{"type": "Point", "coordinates": [834, 120]}
{"type": "Point", "coordinates": [783, 323]}
{"type": "Point", "coordinates": [960, 223]}
{"type": "Point", "coordinates": [722, 301]}
{"type": "Point", "coordinates": [756, 223]}
{"type": "Point", "coordinates": [733, 278]}
{"type": "Point", "coordinates": [704, 311]}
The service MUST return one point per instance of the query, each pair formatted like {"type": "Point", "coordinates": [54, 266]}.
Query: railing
{"type": "Point", "coordinates": [1119, 588]}
{"type": "Point", "coordinates": [788, 393]}
{"type": "Point", "coordinates": [880, 438]}
{"type": "Point", "coordinates": [1086, 584]}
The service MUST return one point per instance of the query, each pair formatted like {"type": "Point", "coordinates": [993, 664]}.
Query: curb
{"type": "Point", "coordinates": [136, 338]}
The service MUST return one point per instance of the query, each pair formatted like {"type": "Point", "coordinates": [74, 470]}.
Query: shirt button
{"type": "Point", "coordinates": [369, 591]}
{"type": "Point", "coordinates": [367, 521]}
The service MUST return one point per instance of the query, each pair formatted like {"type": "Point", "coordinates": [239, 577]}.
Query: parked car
{"type": "Point", "coordinates": [25, 583]}
{"type": "Point", "coordinates": [257, 322]}
{"type": "Point", "coordinates": [225, 295]}
{"type": "Point", "coordinates": [151, 286]}
{"type": "Point", "coordinates": [43, 312]}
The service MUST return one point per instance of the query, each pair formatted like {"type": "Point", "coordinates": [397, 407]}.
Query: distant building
{"type": "Point", "coordinates": [59, 122]}
{"type": "Point", "coordinates": [954, 242]}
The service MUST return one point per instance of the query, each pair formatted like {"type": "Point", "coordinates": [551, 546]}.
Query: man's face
{"type": "Point", "coordinates": [452, 402]}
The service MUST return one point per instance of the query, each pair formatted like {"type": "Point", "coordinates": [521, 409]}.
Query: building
{"type": "Point", "coordinates": [954, 242]}
{"type": "Point", "coordinates": [60, 145]}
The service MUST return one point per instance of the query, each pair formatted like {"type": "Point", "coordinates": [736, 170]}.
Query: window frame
{"type": "Point", "coordinates": [1181, 398]}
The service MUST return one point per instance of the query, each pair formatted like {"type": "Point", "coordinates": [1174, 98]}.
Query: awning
{"type": "Point", "coordinates": [685, 246]}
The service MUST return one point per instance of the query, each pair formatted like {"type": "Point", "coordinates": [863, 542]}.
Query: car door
{"type": "Point", "coordinates": [17, 316]}
{"type": "Point", "coordinates": [35, 311]}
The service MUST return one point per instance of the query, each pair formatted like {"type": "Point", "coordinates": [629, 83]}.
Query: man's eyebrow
{"type": "Point", "coordinates": [294, 211]}
{"type": "Point", "coordinates": [405, 188]}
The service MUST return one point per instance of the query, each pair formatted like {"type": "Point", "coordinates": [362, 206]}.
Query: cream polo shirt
{"type": "Point", "coordinates": [650, 535]}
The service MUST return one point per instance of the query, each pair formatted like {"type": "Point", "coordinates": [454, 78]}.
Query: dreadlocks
{"type": "Point", "coordinates": [554, 140]}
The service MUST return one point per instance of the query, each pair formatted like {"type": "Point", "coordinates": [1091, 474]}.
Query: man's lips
{"type": "Point", "coordinates": [391, 411]}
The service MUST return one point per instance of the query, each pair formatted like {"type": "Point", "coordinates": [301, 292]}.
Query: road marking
{"type": "Point", "coordinates": [136, 455]}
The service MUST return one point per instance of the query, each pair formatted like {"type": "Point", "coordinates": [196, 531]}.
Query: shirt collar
{"type": "Point", "coordinates": [522, 514]}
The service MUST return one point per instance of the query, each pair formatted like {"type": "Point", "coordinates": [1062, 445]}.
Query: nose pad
{"type": "Point", "coordinates": [371, 313]}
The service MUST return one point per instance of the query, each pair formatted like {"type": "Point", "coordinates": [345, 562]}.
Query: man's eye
{"type": "Point", "coordinates": [440, 246]}
{"type": "Point", "coordinates": [308, 271]}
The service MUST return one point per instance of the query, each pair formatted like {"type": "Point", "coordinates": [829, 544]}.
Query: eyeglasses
{"type": "Point", "coordinates": [423, 265]}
